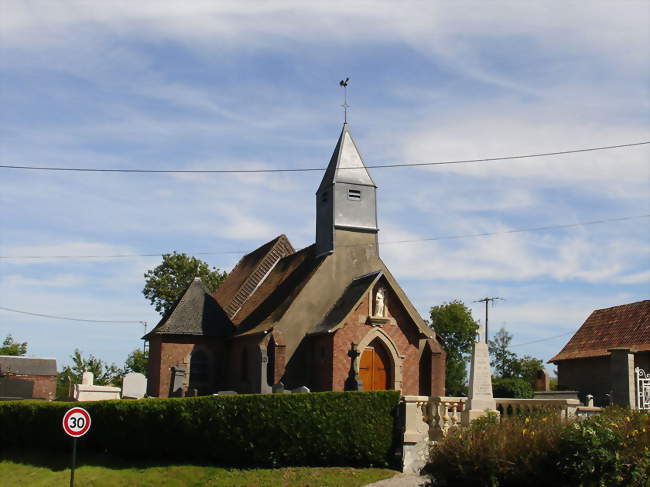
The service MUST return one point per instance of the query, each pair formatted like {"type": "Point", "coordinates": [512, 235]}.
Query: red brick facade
{"type": "Point", "coordinates": [399, 329]}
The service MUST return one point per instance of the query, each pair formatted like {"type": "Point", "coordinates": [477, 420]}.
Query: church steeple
{"type": "Point", "coordinates": [346, 198]}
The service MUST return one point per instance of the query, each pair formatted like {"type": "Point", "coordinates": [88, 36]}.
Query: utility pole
{"type": "Point", "coordinates": [486, 301]}
{"type": "Point", "coordinates": [144, 340]}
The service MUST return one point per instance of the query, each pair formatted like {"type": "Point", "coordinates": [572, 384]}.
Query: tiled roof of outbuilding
{"type": "Point", "coordinates": [627, 326]}
{"type": "Point", "coordinates": [16, 365]}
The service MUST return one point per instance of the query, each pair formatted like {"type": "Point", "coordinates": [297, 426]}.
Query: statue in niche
{"type": "Point", "coordinates": [379, 303]}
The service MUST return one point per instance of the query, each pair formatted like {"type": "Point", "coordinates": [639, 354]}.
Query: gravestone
{"type": "Point", "coordinates": [278, 388]}
{"type": "Point", "coordinates": [178, 379]}
{"type": "Point", "coordinates": [87, 391]}
{"type": "Point", "coordinates": [480, 399]}
{"type": "Point", "coordinates": [225, 393]}
{"type": "Point", "coordinates": [134, 386]}
{"type": "Point", "coordinates": [301, 389]}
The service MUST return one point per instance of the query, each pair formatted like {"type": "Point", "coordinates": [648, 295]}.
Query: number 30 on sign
{"type": "Point", "coordinates": [76, 422]}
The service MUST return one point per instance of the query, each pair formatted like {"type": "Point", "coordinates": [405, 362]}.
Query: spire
{"type": "Point", "coordinates": [346, 197]}
{"type": "Point", "coordinates": [346, 156]}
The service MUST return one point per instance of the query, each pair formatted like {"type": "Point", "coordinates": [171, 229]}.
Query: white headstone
{"type": "Point", "coordinates": [134, 386]}
{"type": "Point", "coordinates": [87, 378]}
{"type": "Point", "coordinates": [301, 389]}
{"type": "Point", "coordinates": [480, 398]}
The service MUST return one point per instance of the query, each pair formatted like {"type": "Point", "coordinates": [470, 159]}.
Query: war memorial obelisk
{"type": "Point", "coordinates": [480, 399]}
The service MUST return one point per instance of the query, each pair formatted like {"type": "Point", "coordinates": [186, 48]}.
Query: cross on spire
{"type": "Point", "coordinates": [344, 84]}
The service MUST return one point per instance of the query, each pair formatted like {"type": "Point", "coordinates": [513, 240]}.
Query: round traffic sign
{"type": "Point", "coordinates": [76, 422]}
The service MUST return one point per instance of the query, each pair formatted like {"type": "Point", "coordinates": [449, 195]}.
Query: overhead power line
{"type": "Point", "coordinates": [543, 339]}
{"type": "Point", "coordinates": [68, 318]}
{"type": "Point", "coordinates": [389, 242]}
{"type": "Point", "coordinates": [308, 169]}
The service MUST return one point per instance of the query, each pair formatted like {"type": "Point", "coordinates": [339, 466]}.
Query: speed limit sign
{"type": "Point", "coordinates": [76, 422]}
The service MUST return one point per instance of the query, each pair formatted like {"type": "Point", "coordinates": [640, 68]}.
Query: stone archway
{"type": "Point", "coordinates": [394, 357]}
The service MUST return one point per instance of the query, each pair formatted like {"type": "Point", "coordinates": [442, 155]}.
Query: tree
{"type": "Point", "coordinates": [502, 358]}
{"type": "Point", "coordinates": [165, 284]}
{"type": "Point", "coordinates": [12, 347]}
{"type": "Point", "coordinates": [137, 361]}
{"type": "Point", "coordinates": [104, 374]}
{"type": "Point", "coordinates": [507, 365]}
{"type": "Point", "coordinates": [453, 322]}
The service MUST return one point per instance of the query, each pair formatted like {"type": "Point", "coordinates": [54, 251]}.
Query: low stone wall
{"type": "Point", "coordinates": [426, 420]}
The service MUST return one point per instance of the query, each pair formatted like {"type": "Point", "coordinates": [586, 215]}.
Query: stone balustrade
{"type": "Point", "coordinates": [566, 407]}
{"type": "Point", "coordinates": [444, 413]}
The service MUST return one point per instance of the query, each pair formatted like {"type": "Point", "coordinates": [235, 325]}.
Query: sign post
{"type": "Point", "coordinates": [76, 423]}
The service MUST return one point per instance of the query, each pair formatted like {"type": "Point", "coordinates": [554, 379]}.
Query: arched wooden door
{"type": "Point", "coordinates": [374, 367]}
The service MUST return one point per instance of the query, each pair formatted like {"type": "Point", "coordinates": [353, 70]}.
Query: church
{"type": "Point", "coordinates": [330, 317]}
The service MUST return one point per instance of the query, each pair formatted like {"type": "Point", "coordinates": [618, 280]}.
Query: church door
{"type": "Point", "coordinates": [374, 368]}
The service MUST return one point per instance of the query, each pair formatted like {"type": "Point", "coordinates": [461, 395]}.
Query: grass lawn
{"type": "Point", "coordinates": [40, 470]}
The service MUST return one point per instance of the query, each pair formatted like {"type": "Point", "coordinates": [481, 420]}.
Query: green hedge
{"type": "Point", "coordinates": [512, 387]}
{"type": "Point", "coordinates": [328, 428]}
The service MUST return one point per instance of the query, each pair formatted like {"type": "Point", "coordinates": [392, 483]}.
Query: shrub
{"type": "Point", "coordinates": [329, 428]}
{"type": "Point", "coordinates": [540, 450]}
{"type": "Point", "coordinates": [610, 449]}
{"type": "Point", "coordinates": [512, 387]}
{"type": "Point", "coordinates": [512, 452]}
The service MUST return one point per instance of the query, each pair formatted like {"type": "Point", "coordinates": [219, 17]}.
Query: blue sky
{"type": "Point", "coordinates": [221, 85]}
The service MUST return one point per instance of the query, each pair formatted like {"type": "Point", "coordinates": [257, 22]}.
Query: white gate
{"type": "Point", "coordinates": [642, 389]}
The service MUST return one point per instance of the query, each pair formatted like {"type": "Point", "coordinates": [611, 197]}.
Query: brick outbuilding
{"type": "Point", "coordinates": [27, 377]}
{"type": "Point", "coordinates": [600, 358]}
{"type": "Point", "coordinates": [330, 316]}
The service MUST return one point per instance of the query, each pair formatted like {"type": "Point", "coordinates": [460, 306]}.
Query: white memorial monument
{"type": "Point", "coordinates": [86, 391]}
{"type": "Point", "coordinates": [480, 399]}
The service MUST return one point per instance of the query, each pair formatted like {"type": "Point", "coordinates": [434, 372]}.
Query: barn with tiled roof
{"type": "Point", "coordinates": [330, 316]}
{"type": "Point", "coordinates": [601, 356]}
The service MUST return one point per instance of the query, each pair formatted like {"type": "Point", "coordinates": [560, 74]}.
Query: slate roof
{"type": "Point", "coordinates": [347, 302]}
{"type": "Point", "coordinates": [346, 164]}
{"type": "Point", "coordinates": [196, 313]}
{"type": "Point", "coordinates": [627, 326]}
{"type": "Point", "coordinates": [27, 365]}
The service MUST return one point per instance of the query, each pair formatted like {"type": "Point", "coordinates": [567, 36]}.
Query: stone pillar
{"type": "Point", "coordinates": [416, 443]}
{"type": "Point", "coordinates": [621, 377]}
{"type": "Point", "coordinates": [480, 400]}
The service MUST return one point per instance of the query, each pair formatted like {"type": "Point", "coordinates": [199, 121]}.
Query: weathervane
{"type": "Point", "coordinates": [344, 84]}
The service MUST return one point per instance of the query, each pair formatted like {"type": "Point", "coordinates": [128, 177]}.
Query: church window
{"type": "Point", "coordinates": [354, 194]}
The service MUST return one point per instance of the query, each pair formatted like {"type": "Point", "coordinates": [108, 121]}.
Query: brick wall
{"type": "Point", "coordinates": [404, 334]}
{"type": "Point", "coordinates": [168, 351]}
{"type": "Point", "coordinates": [42, 386]}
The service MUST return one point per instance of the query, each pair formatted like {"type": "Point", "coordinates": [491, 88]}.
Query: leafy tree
{"type": "Point", "coordinates": [104, 374]}
{"type": "Point", "coordinates": [453, 322]}
{"type": "Point", "coordinates": [507, 365]}
{"type": "Point", "coordinates": [12, 347]}
{"type": "Point", "coordinates": [502, 358]}
{"type": "Point", "coordinates": [165, 284]}
{"type": "Point", "coordinates": [137, 361]}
